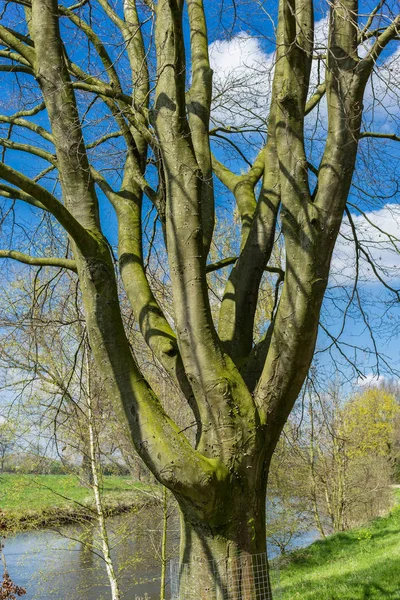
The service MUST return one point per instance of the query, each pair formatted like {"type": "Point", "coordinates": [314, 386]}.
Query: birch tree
{"type": "Point", "coordinates": [240, 390]}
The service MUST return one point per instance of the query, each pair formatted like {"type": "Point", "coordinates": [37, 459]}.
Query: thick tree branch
{"type": "Point", "coordinates": [315, 98]}
{"type": "Point", "coordinates": [225, 175]}
{"type": "Point", "coordinates": [199, 107]}
{"type": "Point", "coordinates": [20, 122]}
{"type": "Point", "coordinates": [152, 430]}
{"type": "Point", "coordinates": [208, 369]}
{"type": "Point", "coordinates": [230, 260]}
{"type": "Point", "coordinates": [28, 148]}
{"type": "Point", "coordinates": [286, 183]}
{"type": "Point", "coordinates": [14, 56]}
{"type": "Point", "coordinates": [104, 138]}
{"type": "Point", "coordinates": [52, 75]}
{"type": "Point", "coordinates": [154, 327]}
{"type": "Point", "coordinates": [62, 263]}
{"type": "Point", "coordinates": [221, 264]}
{"type": "Point", "coordinates": [291, 340]}
{"type": "Point", "coordinates": [389, 34]}
{"type": "Point", "coordinates": [49, 202]}
{"type": "Point", "coordinates": [228, 177]}
{"type": "Point", "coordinates": [239, 304]}
{"type": "Point", "coordinates": [18, 43]}
{"type": "Point", "coordinates": [127, 203]}
{"type": "Point", "coordinates": [304, 223]}
{"type": "Point", "coordinates": [16, 69]}
{"type": "Point", "coordinates": [242, 186]}
{"type": "Point", "coordinates": [285, 135]}
{"type": "Point", "coordinates": [138, 179]}
{"type": "Point", "coordinates": [29, 112]}
{"type": "Point", "coordinates": [15, 194]}
{"type": "Point", "coordinates": [377, 134]}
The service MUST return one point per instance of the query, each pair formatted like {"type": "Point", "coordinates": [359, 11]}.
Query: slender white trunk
{"type": "Point", "coordinates": [312, 457]}
{"type": "Point", "coordinates": [164, 545]}
{"type": "Point", "coordinates": [115, 592]}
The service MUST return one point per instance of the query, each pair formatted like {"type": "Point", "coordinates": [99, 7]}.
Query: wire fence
{"type": "Point", "coordinates": [245, 577]}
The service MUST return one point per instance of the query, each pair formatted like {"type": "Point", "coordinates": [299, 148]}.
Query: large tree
{"type": "Point", "coordinates": [155, 84]}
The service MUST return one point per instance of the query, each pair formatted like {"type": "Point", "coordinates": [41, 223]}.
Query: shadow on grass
{"type": "Point", "coordinates": [340, 544]}
{"type": "Point", "coordinates": [371, 588]}
{"type": "Point", "coordinates": [379, 580]}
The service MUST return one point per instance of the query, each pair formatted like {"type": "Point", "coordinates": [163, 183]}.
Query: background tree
{"type": "Point", "coordinates": [240, 390]}
{"type": "Point", "coordinates": [340, 449]}
{"type": "Point", "coordinates": [7, 440]}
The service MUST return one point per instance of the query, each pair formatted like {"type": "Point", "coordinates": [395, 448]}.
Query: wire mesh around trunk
{"type": "Point", "coordinates": [246, 577]}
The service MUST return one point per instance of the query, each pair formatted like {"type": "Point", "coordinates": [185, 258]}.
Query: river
{"type": "Point", "coordinates": [67, 564]}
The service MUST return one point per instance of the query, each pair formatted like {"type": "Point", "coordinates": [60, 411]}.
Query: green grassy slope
{"type": "Point", "coordinates": [360, 564]}
{"type": "Point", "coordinates": [36, 500]}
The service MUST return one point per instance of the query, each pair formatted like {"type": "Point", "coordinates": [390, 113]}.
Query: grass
{"type": "Point", "coordinates": [360, 564]}
{"type": "Point", "coordinates": [36, 500]}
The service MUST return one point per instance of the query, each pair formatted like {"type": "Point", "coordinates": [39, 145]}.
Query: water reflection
{"type": "Point", "coordinates": [66, 564]}
{"type": "Point", "coordinates": [56, 565]}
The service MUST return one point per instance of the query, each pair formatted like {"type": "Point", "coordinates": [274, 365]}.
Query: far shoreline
{"type": "Point", "coordinates": [32, 502]}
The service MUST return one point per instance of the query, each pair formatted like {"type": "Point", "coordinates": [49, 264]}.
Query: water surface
{"type": "Point", "coordinates": [66, 564]}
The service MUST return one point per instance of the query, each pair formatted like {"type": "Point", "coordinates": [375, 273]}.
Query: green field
{"type": "Point", "coordinates": [36, 500]}
{"type": "Point", "coordinates": [360, 564]}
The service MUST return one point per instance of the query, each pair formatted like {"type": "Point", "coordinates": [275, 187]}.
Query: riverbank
{"type": "Point", "coordinates": [360, 564]}
{"type": "Point", "coordinates": [35, 501]}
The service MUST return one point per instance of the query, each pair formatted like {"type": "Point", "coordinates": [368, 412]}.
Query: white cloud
{"type": "Point", "coordinates": [242, 81]}
{"type": "Point", "coordinates": [243, 74]}
{"type": "Point", "coordinates": [237, 54]}
{"type": "Point", "coordinates": [382, 98]}
{"type": "Point", "coordinates": [370, 381]}
{"type": "Point", "coordinates": [378, 232]}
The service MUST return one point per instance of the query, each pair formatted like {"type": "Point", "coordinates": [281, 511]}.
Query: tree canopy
{"type": "Point", "coordinates": [115, 109]}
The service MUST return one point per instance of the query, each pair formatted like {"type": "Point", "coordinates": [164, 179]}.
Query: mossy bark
{"type": "Point", "coordinates": [226, 559]}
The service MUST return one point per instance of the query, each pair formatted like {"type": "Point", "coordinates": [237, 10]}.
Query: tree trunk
{"type": "Point", "coordinates": [228, 561]}
{"type": "Point", "coordinates": [86, 474]}
{"type": "Point", "coordinates": [96, 486]}
{"type": "Point", "coordinates": [164, 545]}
